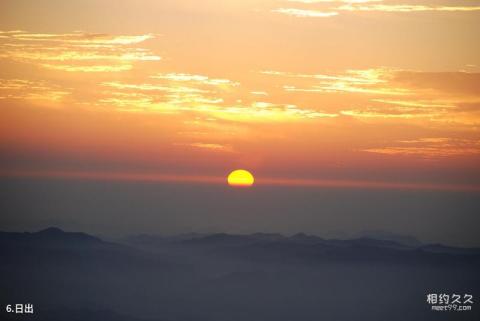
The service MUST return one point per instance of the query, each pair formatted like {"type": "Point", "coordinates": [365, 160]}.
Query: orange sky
{"type": "Point", "coordinates": [365, 90]}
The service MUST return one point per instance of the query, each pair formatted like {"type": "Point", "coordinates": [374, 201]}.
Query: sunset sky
{"type": "Point", "coordinates": [367, 90]}
{"type": "Point", "coordinates": [353, 93]}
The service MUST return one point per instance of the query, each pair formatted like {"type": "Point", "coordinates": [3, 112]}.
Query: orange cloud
{"type": "Point", "coordinates": [305, 13]}
{"type": "Point", "coordinates": [330, 8]}
{"type": "Point", "coordinates": [76, 52]}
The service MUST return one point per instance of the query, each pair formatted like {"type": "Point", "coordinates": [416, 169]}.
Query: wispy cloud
{"type": "Point", "coordinates": [259, 93]}
{"type": "Point", "coordinates": [406, 8]}
{"type": "Point", "coordinates": [81, 38]}
{"type": "Point", "coordinates": [369, 81]}
{"type": "Point", "coordinates": [31, 90]}
{"type": "Point", "coordinates": [181, 92]}
{"type": "Point", "coordinates": [76, 52]}
{"type": "Point", "coordinates": [330, 1]}
{"type": "Point", "coordinates": [181, 77]}
{"type": "Point", "coordinates": [209, 146]}
{"type": "Point", "coordinates": [431, 148]}
{"type": "Point", "coordinates": [303, 13]}
{"type": "Point", "coordinates": [393, 93]}
{"type": "Point", "coordinates": [330, 8]}
{"type": "Point", "coordinates": [416, 103]}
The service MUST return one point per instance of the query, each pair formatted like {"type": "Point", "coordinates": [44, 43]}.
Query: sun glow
{"type": "Point", "coordinates": [240, 178]}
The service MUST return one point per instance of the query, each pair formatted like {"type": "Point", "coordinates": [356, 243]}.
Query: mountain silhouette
{"type": "Point", "coordinates": [52, 236]}
{"type": "Point", "coordinates": [388, 236]}
{"type": "Point", "coordinates": [221, 276]}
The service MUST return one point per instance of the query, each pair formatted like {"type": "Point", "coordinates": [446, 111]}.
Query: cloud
{"type": "Point", "coordinates": [76, 52]}
{"type": "Point", "coordinates": [452, 82]}
{"type": "Point", "coordinates": [382, 93]}
{"type": "Point", "coordinates": [431, 148]}
{"type": "Point", "coordinates": [31, 90]}
{"type": "Point", "coordinates": [201, 94]}
{"type": "Point", "coordinates": [390, 113]}
{"type": "Point", "coordinates": [416, 103]}
{"type": "Point", "coordinates": [302, 13]}
{"type": "Point", "coordinates": [93, 39]}
{"type": "Point", "coordinates": [385, 81]}
{"type": "Point", "coordinates": [83, 68]}
{"type": "Point", "coordinates": [196, 79]}
{"type": "Point", "coordinates": [330, 8]}
{"type": "Point", "coordinates": [154, 87]}
{"type": "Point", "coordinates": [259, 93]}
{"type": "Point", "coordinates": [209, 146]}
{"type": "Point", "coordinates": [405, 8]}
{"type": "Point", "coordinates": [368, 81]}
{"type": "Point", "coordinates": [330, 1]}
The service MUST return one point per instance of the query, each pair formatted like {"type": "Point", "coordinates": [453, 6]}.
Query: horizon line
{"type": "Point", "coordinates": [220, 180]}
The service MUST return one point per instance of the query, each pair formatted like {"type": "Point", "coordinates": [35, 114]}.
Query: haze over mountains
{"type": "Point", "coordinates": [260, 276]}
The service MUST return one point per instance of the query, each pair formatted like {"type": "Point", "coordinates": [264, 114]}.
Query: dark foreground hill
{"type": "Point", "coordinates": [75, 276]}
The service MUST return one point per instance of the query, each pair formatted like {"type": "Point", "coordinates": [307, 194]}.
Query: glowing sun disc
{"type": "Point", "coordinates": [240, 178]}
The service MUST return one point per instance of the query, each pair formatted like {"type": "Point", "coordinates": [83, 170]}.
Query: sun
{"type": "Point", "coordinates": [240, 178]}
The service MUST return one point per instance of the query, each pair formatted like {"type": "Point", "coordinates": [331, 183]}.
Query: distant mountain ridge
{"type": "Point", "coordinates": [235, 240]}
{"type": "Point", "coordinates": [221, 276]}
{"type": "Point", "coordinates": [55, 235]}
{"type": "Point", "coordinates": [389, 236]}
{"type": "Point", "coordinates": [52, 235]}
